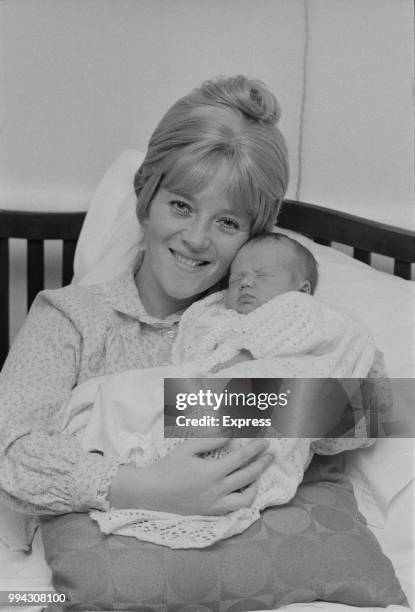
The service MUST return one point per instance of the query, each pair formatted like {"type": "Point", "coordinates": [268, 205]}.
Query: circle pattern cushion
{"type": "Point", "coordinates": [317, 547]}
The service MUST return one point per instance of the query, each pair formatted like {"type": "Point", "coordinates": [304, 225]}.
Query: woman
{"type": "Point", "coordinates": [215, 173]}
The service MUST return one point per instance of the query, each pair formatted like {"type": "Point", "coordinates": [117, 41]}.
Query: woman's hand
{"type": "Point", "coordinates": [185, 483]}
{"type": "Point", "coordinates": [240, 357]}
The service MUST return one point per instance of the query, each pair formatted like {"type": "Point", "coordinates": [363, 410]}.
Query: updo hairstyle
{"type": "Point", "coordinates": [228, 121]}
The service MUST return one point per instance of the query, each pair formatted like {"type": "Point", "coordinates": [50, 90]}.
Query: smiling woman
{"type": "Point", "coordinates": [215, 173]}
{"type": "Point", "coordinates": [189, 247]}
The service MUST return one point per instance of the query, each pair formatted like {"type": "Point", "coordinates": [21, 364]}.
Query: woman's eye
{"type": "Point", "coordinates": [180, 207]}
{"type": "Point", "coordinates": [229, 225]}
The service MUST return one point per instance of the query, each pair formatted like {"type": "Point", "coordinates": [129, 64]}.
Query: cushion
{"type": "Point", "coordinates": [317, 547]}
{"type": "Point", "coordinates": [16, 529]}
{"type": "Point", "coordinates": [104, 209]}
{"type": "Point", "coordinates": [375, 297]}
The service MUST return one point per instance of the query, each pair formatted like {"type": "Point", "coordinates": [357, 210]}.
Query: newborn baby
{"type": "Point", "coordinates": [266, 267]}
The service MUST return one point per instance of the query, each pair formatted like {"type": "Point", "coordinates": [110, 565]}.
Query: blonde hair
{"type": "Point", "coordinates": [229, 121]}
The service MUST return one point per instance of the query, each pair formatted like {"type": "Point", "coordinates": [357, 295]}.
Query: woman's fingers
{"type": "Point", "coordinates": [248, 474]}
{"type": "Point", "coordinates": [198, 446]}
{"type": "Point", "coordinates": [241, 456]}
{"type": "Point", "coordinates": [240, 499]}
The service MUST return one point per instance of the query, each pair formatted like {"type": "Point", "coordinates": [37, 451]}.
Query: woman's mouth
{"type": "Point", "coordinates": [188, 263]}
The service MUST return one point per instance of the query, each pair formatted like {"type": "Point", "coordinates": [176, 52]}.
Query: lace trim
{"type": "Point", "coordinates": [112, 466]}
{"type": "Point", "coordinates": [276, 486]}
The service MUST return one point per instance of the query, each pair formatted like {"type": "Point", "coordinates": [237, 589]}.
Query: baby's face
{"type": "Point", "coordinates": [259, 273]}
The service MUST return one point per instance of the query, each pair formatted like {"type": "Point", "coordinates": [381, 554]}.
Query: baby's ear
{"type": "Point", "coordinates": [305, 287]}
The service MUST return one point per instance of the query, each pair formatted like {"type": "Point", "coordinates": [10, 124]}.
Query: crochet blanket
{"type": "Point", "coordinates": [293, 335]}
{"type": "Point", "coordinates": [104, 413]}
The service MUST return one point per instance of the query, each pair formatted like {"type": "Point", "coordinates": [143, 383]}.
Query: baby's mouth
{"type": "Point", "coordinates": [246, 298]}
{"type": "Point", "coordinates": [189, 263]}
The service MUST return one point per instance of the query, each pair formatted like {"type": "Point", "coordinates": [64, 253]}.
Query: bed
{"type": "Point", "coordinates": [383, 476]}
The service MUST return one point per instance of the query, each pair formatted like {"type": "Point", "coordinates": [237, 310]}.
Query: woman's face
{"type": "Point", "coordinates": [189, 246]}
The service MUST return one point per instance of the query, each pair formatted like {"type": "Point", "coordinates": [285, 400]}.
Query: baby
{"type": "Point", "coordinates": [267, 266]}
{"type": "Point", "coordinates": [266, 324]}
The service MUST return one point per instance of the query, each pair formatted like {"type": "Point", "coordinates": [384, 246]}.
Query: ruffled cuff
{"type": "Point", "coordinates": [97, 473]}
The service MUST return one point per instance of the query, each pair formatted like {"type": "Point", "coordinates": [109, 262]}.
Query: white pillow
{"type": "Point", "coordinates": [385, 302]}
{"type": "Point", "coordinates": [111, 226]}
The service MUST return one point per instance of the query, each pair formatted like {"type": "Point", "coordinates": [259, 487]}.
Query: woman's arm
{"type": "Point", "coordinates": [42, 471]}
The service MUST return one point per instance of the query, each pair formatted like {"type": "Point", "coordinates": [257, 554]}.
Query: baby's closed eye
{"type": "Point", "coordinates": [234, 279]}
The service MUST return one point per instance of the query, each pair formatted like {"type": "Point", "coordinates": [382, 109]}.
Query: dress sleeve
{"type": "Point", "coordinates": [43, 471]}
{"type": "Point", "coordinates": [376, 397]}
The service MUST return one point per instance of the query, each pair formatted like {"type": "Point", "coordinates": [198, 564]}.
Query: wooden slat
{"type": "Point", "coordinates": [33, 227]}
{"type": "Point", "coordinates": [322, 241]}
{"type": "Point", "coordinates": [40, 225]}
{"type": "Point", "coordinates": [35, 269]}
{"type": "Point", "coordinates": [4, 299]}
{"type": "Point", "coordinates": [68, 254]}
{"type": "Point", "coordinates": [362, 255]}
{"type": "Point", "coordinates": [402, 269]}
{"type": "Point", "coordinates": [319, 222]}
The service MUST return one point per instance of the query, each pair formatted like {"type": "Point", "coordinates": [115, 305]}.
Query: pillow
{"type": "Point", "coordinates": [16, 529]}
{"type": "Point", "coordinates": [113, 200]}
{"type": "Point", "coordinates": [375, 297]}
{"type": "Point", "coordinates": [378, 479]}
{"type": "Point", "coordinates": [317, 547]}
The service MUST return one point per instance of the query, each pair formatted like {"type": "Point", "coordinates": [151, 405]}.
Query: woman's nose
{"type": "Point", "coordinates": [196, 237]}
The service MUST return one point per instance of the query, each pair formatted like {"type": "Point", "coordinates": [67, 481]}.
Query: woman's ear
{"type": "Point", "coordinates": [146, 195]}
{"type": "Point", "coordinates": [141, 218]}
{"type": "Point", "coordinates": [305, 287]}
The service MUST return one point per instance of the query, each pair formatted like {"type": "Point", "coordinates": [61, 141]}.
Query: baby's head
{"type": "Point", "coordinates": [267, 266]}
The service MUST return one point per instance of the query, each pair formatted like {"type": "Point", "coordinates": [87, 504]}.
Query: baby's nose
{"type": "Point", "coordinates": [247, 281]}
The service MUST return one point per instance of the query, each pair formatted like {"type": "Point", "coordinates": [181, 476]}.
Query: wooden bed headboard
{"type": "Point", "coordinates": [321, 224]}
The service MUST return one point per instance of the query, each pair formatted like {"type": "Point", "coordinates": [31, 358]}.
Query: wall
{"type": "Point", "coordinates": [86, 79]}
{"type": "Point", "coordinates": [358, 146]}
